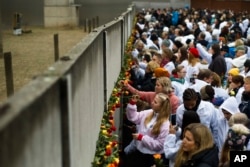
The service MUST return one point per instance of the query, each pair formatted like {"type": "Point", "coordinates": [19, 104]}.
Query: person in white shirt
{"type": "Point", "coordinates": [139, 46]}
{"type": "Point", "coordinates": [205, 110]}
{"type": "Point", "coordinates": [168, 55]}
{"type": "Point", "coordinates": [220, 93]}
{"type": "Point", "coordinates": [173, 140]}
{"type": "Point", "coordinates": [246, 71]}
{"type": "Point", "coordinates": [236, 87]}
{"type": "Point", "coordinates": [227, 109]}
{"type": "Point", "coordinates": [204, 54]}
{"type": "Point", "coordinates": [178, 82]}
{"type": "Point", "coordinates": [145, 40]}
{"type": "Point", "coordinates": [245, 23]}
{"type": "Point", "coordinates": [240, 58]}
{"type": "Point", "coordinates": [204, 78]}
{"type": "Point", "coordinates": [155, 41]}
{"type": "Point", "coordinates": [193, 65]}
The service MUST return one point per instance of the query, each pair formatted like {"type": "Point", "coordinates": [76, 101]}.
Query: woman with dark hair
{"type": "Point", "coordinates": [246, 71]}
{"type": "Point", "coordinates": [207, 93]}
{"type": "Point", "coordinates": [224, 33]}
{"type": "Point", "coordinates": [236, 87]}
{"type": "Point", "coordinates": [218, 64]}
{"type": "Point", "coordinates": [245, 101]}
{"type": "Point", "coordinates": [182, 58]}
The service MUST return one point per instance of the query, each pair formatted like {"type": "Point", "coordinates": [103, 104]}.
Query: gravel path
{"type": "Point", "coordinates": [32, 53]}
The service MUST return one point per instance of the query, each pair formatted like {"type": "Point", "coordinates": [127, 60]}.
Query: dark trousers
{"type": "Point", "coordinates": [138, 159]}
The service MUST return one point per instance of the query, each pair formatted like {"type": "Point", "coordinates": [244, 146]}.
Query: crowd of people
{"type": "Point", "coordinates": [192, 72]}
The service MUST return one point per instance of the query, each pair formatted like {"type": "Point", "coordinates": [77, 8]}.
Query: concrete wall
{"type": "Point", "coordinates": [56, 16]}
{"type": "Point", "coordinates": [59, 13]}
{"type": "Point", "coordinates": [55, 120]}
{"type": "Point", "coordinates": [33, 10]}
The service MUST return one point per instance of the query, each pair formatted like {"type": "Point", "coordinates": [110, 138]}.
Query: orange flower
{"type": "Point", "coordinates": [157, 156]}
{"type": "Point", "coordinates": [111, 165]}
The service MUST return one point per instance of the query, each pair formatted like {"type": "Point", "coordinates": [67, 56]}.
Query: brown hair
{"type": "Point", "coordinates": [203, 139]}
{"type": "Point", "coordinates": [184, 54]}
{"type": "Point", "coordinates": [216, 80]}
{"type": "Point", "coordinates": [168, 53]}
{"type": "Point", "coordinates": [238, 79]}
{"type": "Point", "coordinates": [204, 73]}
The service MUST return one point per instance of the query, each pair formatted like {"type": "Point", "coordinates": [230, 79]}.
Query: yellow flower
{"type": "Point", "coordinates": [232, 93]}
{"type": "Point", "coordinates": [104, 132]}
{"type": "Point", "coordinates": [117, 160]}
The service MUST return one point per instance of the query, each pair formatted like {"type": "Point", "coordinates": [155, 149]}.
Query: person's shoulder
{"type": "Point", "coordinates": [207, 105]}
{"type": "Point", "coordinates": [174, 97]}
{"type": "Point", "coordinates": [208, 157]}
{"type": "Point", "coordinates": [180, 108]}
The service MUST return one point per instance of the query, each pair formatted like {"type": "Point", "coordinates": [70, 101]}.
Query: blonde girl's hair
{"type": "Point", "coordinates": [163, 114]}
{"type": "Point", "coordinates": [166, 84]}
{"type": "Point", "coordinates": [203, 140]}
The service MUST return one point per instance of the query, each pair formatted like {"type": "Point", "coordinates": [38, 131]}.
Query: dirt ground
{"type": "Point", "coordinates": [32, 53]}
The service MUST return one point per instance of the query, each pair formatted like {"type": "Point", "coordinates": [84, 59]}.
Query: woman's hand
{"type": "Point", "coordinates": [123, 83]}
{"type": "Point", "coordinates": [172, 129]}
{"type": "Point", "coordinates": [135, 136]}
{"type": "Point", "coordinates": [135, 98]}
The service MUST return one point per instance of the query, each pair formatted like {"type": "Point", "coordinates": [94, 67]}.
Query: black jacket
{"type": "Point", "coordinates": [245, 103]}
{"type": "Point", "coordinates": [206, 158]}
{"type": "Point", "coordinates": [218, 65]}
{"type": "Point", "coordinates": [147, 83]}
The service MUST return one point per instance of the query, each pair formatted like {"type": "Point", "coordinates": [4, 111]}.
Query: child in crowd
{"type": "Point", "coordinates": [152, 129]}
